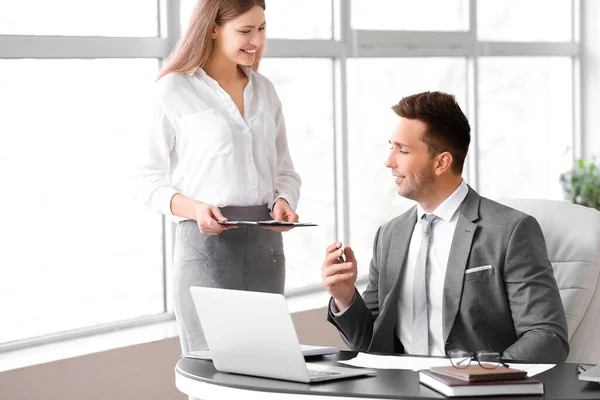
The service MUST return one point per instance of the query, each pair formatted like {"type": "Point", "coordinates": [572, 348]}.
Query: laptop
{"type": "Point", "coordinates": [252, 333]}
{"type": "Point", "coordinates": [591, 374]}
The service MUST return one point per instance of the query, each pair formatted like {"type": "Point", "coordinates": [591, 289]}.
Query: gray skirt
{"type": "Point", "coordinates": [246, 258]}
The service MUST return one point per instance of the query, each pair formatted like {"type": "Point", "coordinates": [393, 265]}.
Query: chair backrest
{"type": "Point", "coordinates": [572, 234]}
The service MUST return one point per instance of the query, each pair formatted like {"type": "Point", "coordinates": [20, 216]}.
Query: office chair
{"type": "Point", "coordinates": [572, 234]}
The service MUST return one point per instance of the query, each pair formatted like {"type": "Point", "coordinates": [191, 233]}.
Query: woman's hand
{"type": "Point", "coordinates": [208, 216]}
{"type": "Point", "coordinates": [282, 211]}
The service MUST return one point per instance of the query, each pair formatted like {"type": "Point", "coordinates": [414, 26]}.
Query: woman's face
{"type": "Point", "coordinates": [239, 39]}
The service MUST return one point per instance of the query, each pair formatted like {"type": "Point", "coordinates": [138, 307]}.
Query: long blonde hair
{"type": "Point", "coordinates": [196, 46]}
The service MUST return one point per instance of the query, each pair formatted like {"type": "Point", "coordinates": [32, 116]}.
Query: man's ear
{"type": "Point", "coordinates": [444, 162]}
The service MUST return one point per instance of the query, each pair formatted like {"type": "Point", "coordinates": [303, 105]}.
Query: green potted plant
{"type": "Point", "coordinates": [581, 184]}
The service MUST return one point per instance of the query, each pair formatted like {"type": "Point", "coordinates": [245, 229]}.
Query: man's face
{"type": "Point", "coordinates": [412, 165]}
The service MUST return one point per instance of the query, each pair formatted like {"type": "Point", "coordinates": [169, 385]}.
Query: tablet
{"type": "Point", "coordinates": [255, 223]}
{"type": "Point", "coordinates": [283, 223]}
{"type": "Point", "coordinates": [268, 223]}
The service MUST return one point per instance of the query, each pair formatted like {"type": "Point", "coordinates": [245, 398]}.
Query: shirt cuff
{"type": "Point", "coordinates": [281, 197]}
{"type": "Point", "coordinates": [162, 199]}
{"type": "Point", "coordinates": [334, 309]}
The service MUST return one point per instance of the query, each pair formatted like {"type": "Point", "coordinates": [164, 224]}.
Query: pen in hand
{"type": "Point", "coordinates": [341, 257]}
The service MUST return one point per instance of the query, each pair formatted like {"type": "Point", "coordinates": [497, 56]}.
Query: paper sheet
{"type": "Point", "coordinates": [532, 369]}
{"type": "Point", "coordinates": [418, 363]}
{"type": "Point", "coordinates": [395, 362]}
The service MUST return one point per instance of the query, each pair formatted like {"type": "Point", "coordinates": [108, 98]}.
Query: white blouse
{"type": "Point", "coordinates": [202, 147]}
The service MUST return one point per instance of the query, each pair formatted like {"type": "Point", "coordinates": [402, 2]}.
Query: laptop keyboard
{"type": "Point", "coordinates": [318, 371]}
{"type": "Point", "coordinates": [317, 374]}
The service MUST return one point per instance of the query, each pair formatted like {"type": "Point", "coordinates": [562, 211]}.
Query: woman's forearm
{"type": "Point", "coordinates": [183, 206]}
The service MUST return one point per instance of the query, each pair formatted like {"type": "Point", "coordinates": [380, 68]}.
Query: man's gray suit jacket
{"type": "Point", "coordinates": [513, 308]}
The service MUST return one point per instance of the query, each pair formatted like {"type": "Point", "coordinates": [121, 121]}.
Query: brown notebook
{"type": "Point", "coordinates": [452, 387]}
{"type": "Point", "coordinates": [476, 373]}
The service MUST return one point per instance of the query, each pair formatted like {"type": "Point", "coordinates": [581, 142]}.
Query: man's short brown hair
{"type": "Point", "coordinates": [447, 126]}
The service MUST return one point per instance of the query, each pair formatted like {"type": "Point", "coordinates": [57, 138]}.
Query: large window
{"type": "Point", "coordinates": [525, 20]}
{"type": "Point", "coordinates": [129, 18]}
{"type": "Point", "coordinates": [410, 15]}
{"type": "Point", "coordinates": [525, 125]}
{"type": "Point", "coordinates": [80, 256]}
{"type": "Point", "coordinates": [76, 250]}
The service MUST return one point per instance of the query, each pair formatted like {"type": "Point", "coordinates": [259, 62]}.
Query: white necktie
{"type": "Point", "coordinates": [420, 326]}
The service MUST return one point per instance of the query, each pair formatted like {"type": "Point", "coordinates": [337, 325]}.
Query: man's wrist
{"type": "Point", "coordinates": [343, 304]}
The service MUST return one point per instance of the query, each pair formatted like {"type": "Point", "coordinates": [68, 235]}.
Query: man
{"type": "Point", "coordinates": [455, 272]}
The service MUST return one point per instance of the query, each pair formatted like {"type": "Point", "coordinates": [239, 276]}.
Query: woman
{"type": "Point", "coordinates": [218, 151]}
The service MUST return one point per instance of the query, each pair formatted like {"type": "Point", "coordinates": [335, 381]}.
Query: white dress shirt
{"type": "Point", "coordinates": [442, 232]}
{"type": "Point", "coordinates": [202, 147]}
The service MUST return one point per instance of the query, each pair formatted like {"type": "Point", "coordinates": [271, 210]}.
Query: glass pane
{"type": "Point", "coordinates": [525, 126]}
{"type": "Point", "coordinates": [77, 250]}
{"type": "Point", "coordinates": [287, 19]}
{"type": "Point", "coordinates": [373, 196]}
{"type": "Point", "coordinates": [449, 15]}
{"type": "Point", "coordinates": [525, 20]}
{"type": "Point", "coordinates": [305, 87]}
{"type": "Point", "coordinates": [79, 18]}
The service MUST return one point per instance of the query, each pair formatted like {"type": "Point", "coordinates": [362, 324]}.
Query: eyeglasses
{"type": "Point", "coordinates": [486, 359]}
{"type": "Point", "coordinates": [583, 367]}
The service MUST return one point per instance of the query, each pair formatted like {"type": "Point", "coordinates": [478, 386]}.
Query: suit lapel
{"type": "Point", "coordinates": [399, 245]}
{"type": "Point", "coordinates": [398, 252]}
{"type": "Point", "coordinates": [458, 258]}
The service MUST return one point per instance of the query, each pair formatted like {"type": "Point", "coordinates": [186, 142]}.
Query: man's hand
{"type": "Point", "coordinates": [207, 217]}
{"type": "Point", "coordinates": [282, 211]}
{"type": "Point", "coordinates": [339, 276]}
